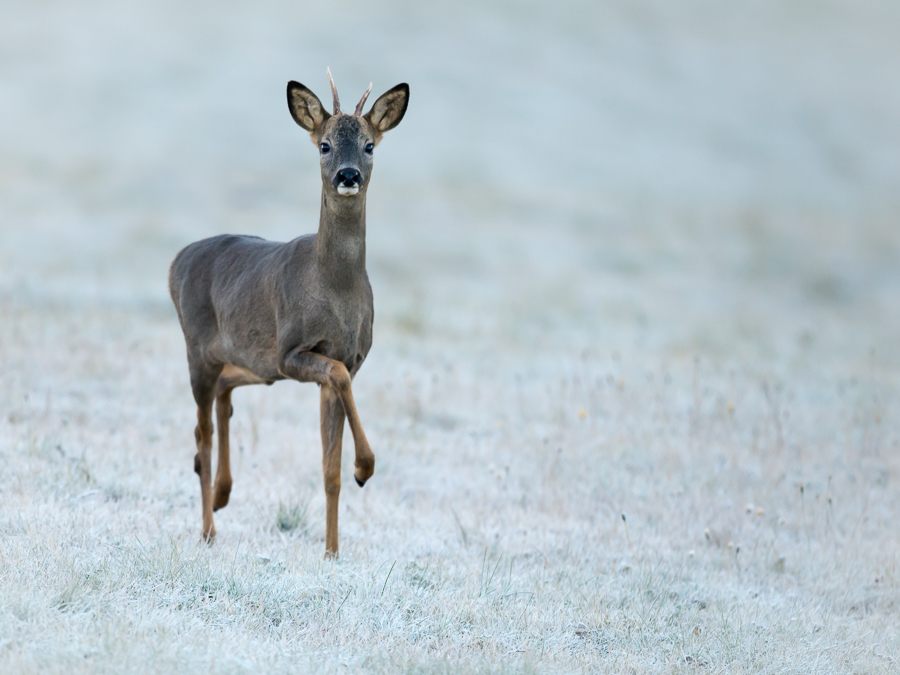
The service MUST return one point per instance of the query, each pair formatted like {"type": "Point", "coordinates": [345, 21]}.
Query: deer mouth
{"type": "Point", "coordinates": [348, 181]}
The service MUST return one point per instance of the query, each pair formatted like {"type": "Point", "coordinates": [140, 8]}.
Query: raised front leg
{"type": "Point", "coordinates": [312, 367]}
{"type": "Point", "coordinates": [332, 423]}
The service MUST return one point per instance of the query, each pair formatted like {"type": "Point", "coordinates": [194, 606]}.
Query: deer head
{"type": "Point", "coordinates": [346, 142]}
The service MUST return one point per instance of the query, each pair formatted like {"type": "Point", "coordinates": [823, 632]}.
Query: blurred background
{"type": "Point", "coordinates": [628, 256]}
{"type": "Point", "coordinates": [684, 178]}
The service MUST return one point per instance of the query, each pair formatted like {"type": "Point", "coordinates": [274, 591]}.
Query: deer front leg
{"type": "Point", "coordinates": [312, 367]}
{"type": "Point", "coordinates": [332, 424]}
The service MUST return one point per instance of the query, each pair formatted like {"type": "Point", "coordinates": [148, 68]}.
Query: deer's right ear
{"type": "Point", "coordinates": [305, 107]}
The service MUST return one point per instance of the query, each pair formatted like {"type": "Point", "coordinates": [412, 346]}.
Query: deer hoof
{"type": "Point", "coordinates": [220, 499]}
{"type": "Point", "coordinates": [364, 469]}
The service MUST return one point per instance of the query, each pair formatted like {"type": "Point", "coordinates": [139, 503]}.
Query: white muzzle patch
{"type": "Point", "coordinates": [347, 191]}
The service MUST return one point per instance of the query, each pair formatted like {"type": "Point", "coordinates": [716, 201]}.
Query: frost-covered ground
{"type": "Point", "coordinates": [634, 391]}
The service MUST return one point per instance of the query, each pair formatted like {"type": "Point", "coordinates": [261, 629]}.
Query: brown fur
{"type": "Point", "coordinates": [254, 311]}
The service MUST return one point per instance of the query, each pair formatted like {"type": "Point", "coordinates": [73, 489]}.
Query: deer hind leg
{"type": "Point", "coordinates": [332, 425]}
{"type": "Point", "coordinates": [222, 487]}
{"type": "Point", "coordinates": [231, 377]}
{"type": "Point", "coordinates": [203, 383]}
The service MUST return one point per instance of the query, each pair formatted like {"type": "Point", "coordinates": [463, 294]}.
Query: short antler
{"type": "Point", "coordinates": [362, 101]}
{"type": "Point", "coordinates": [334, 94]}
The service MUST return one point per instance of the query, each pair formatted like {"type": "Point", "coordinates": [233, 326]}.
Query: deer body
{"type": "Point", "coordinates": [251, 302]}
{"type": "Point", "coordinates": [254, 311]}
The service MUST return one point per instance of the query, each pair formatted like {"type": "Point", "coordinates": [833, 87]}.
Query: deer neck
{"type": "Point", "coordinates": [341, 241]}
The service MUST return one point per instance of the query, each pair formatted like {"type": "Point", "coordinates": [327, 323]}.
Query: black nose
{"type": "Point", "coordinates": [348, 178]}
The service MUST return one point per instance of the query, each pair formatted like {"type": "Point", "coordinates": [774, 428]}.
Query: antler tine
{"type": "Point", "coordinates": [337, 101]}
{"type": "Point", "coordinates": [362, 101]}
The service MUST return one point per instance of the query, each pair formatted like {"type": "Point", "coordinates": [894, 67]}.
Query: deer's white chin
{"type": "Point", "coordinates": [347, 191]}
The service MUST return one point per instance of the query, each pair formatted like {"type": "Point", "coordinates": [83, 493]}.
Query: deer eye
{"type": "Point", "coordinates": [325, 148]}
{"type": "Point", "coordinates": [370, 147]}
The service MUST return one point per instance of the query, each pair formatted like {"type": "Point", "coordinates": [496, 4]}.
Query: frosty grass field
{"type": "Point", "coordinates": [633, 393]}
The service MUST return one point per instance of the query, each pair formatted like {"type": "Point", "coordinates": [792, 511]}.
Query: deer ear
{"type": "Point", "coordinates": [389, 109]}
{"type": "Point", "coordinates": [305, 107]}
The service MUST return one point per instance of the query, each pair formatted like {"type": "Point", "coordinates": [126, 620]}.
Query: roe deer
{"type": "Point", "coordinates": [255, 311]}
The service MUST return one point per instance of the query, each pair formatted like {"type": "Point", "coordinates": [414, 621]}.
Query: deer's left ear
{"type": "Point", "coordinates": [389, 109]}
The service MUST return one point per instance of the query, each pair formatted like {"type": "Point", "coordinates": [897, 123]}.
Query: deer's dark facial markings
{"type": "Point", "coordinates": [347, 161]}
